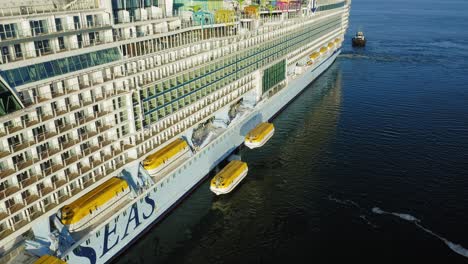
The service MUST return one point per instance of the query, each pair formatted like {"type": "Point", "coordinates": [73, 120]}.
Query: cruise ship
{"type": "Point", "coordinates": [113, 111]}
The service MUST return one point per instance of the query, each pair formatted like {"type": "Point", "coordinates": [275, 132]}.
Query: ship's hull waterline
{"type": "Point", "coordinates": [110, 238]}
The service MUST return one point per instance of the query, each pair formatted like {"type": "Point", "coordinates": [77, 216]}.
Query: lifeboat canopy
{"type": "Point", "coordinates": [157, 161]}
{"type": "Point", "coordinates": [258, 136]}
{"type": "Point", "coordinates": [229, 177]}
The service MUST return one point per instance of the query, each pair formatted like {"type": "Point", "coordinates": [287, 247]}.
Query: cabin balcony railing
{"type": "Point", "coordinates": [20, 33]}
{"type": "Point", "coordinates": [21, 146]}
{"type": "Point", "coordinates": [24, 164]}
{"type": "Point", "coordinates": [44, 191]}
{"type": "Point", "coordinates": [20, 224]}
{"type": "Point", "coordinates": [31, 180]}
{"type": "Point", "coordinates": [15, 208]}
{"type": "Point", "coordinates": [4, 153]}
{"type": "Point", "coordinates": [38, 9]}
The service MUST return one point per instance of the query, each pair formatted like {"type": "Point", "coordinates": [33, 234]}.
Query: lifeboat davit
{"type": "Point", "coordinates": [229, 177]}
{"type": "Point", "coordinates": [258, 136]}
{"type": "Point", "coordinates": [86, 209]}
{"type": "Point", "coordinates": [159, 160]}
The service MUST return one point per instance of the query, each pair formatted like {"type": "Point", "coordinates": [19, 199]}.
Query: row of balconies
{"type": "Point", "coordinates": [33, 120]}
{"type": "Point", "coordinates": [24, 30]}
{"type": "Point", "coordinates": [42, 8]}
{"type": "Point", "coordinates": [54, 150]}
{"type": "Point", "coordinates": [29, 49]}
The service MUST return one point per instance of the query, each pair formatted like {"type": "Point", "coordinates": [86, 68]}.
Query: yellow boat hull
{"type": "Point", "coordinates": [229, 188]}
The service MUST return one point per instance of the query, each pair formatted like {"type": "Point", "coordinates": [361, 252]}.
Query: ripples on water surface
{"type": "Point", "coordinates": [385, 127]}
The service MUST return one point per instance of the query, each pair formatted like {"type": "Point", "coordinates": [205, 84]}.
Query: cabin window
{"type": "Point", "coordinates": [90, 211]}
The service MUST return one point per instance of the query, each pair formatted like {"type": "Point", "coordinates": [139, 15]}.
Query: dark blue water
{"type": "Point", "coordinates": [369, 164]}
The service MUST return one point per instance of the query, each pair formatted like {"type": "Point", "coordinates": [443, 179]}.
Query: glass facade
{"type": "Point", "coordinates": [332, 6]}
{"type": "Point", "coordinates": [41, 71]}
{"type": "Point", "coordinates": [273, 75]}
{"type": "Point", "coordinates": [163, 98]}
{"type": "Point", "coordinates": [8, 102]}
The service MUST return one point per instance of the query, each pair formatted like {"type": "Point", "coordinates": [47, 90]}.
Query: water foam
{"type": "Point", "coordinates": [457, 248]}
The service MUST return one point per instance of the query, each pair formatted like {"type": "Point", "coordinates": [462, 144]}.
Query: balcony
{"type": "Point", "coordinates": [75, 191]}
{"type": "Point", "coordinates": [59, 183]}
{"type": "Point", "coordinates": [31, 198]}
{"type": "Point", "coordinates": [70, 143]}
{"type": "Point", "coordinates": [13, 128]}
{"type": "Point", "coordinates": [50, 206]}
{"type": "Point", "coordinates": [51, 151]}
{"type": "Point", "coordinates": [32, 122]}
{"type": "Point", "coordinates": [47, 116]}
{"type": "Point", "coordinates": [47, 135]}
{"type": "Point", "coordinates": [66, 127]}
{"type": "Point", "coordinates": [20, 224]}
{"type": "Point", "coordinates": [63, 198]}
{"type": "Point", "coordinates": [15, 208]}
{"type": "Point", "coordinates": [5, 233]}
{"type": "Point", "coordinates": [30, 180]}
{"type": "Point", "coordinates": [45, 191]}
{"type": "Point", "coordinates": [56, 167]}
{"type": "Point", "coordinates": [3, 216]}
{"type": "Point", "coordinates": [35, 215]}
{"type": "Point", "coordinates": [72, 159]}
{"type": "Point", "coordinates": [10, 190]}
{"type": "Point", "coordinates": [4, 153]}
{"type": "Point", "coordinates": [88, 183]}
{"type": "Point", "coordinates": [84, 169]}
{"type": "Point", "coordinates": [72, 176]}
{"type": "Point", "coordinates": [24, 164]}
{"type": "Point", "coordinates": [21, 146]}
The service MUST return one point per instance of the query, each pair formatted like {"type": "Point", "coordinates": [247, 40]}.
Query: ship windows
{"type": "Point", "coordinates": [40, 71]}
{"type": "Point", "coordinates": [7, 31]}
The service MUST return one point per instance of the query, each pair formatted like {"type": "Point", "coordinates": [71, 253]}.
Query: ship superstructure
{"type": "Point", "coordinates": [90, 89]}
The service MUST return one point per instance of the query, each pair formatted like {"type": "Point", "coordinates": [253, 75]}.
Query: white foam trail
{"type": "Point", "coordinates": [377, 210]}
{"type": "Point", "coordinates": [345, 202]}
{"type": "Point", "coordinates": [363, 217]}
{"type": "Point", "coordinates": [457, 248]}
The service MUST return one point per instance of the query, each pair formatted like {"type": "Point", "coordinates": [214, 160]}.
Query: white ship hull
{"type": "Point", "coordinates": [115, 234]}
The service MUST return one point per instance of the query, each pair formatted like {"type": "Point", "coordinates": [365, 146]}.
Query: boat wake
{"type": "Point", "coordinates": [457, 248]}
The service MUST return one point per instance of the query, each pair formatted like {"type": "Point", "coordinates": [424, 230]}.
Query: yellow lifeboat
{"type": "Point", "coordinates": [48, 259]}
{"type": "Point", "coordinates": [79, 213]}
{"type": "Point", "coordinates": [157, 161]}
{"type": "Point", "coordinates": [323, 50]}
{"type": "Point", "coordinates": [331, 45]}
{"type": "Point", "coordinates": [258, 136]}
{"type": "Point", "coordinates": [229, 177]}
{"type": "Point", "coordinates": [313, 57]}
{"type": "Point", "coordinates": [337, 42]}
